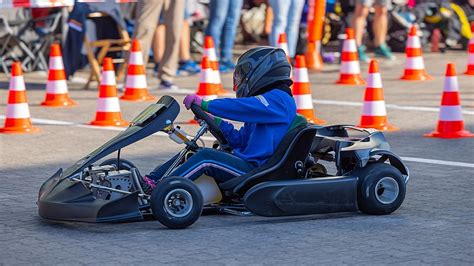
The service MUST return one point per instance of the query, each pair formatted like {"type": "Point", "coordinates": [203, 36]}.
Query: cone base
{"type": "Point", "coordinates": [59, 103]}
{"type": "Point", "coordinates": [193, 122]}
{"type": "Point", "coordinates": [386, 127]}
{"type": "Point", "coordinates": [134, 98]}
{"type": "Point", "coordinates": [309, 115]}
{"type": "Point", "coordinates": [377, 122]}
{"type": "Point", "coordinates": [115, 123]}
{"type": "Point", "coordinates": [314, 61]}
{"type": "Point", "coordinates": [416, 77]}
{"type": "Point", "coordinates": [317, 121]}
{"type": "Point", "coordinates": [18, 130]}
{"type": "Point", "coordinates": [469, 72]}
{"type": "Point", "coordinates": [450, 135]}
{"type": "Point", "coordinates": [222, 92]}
{"type": "Point", "coordinates": [350, 80]}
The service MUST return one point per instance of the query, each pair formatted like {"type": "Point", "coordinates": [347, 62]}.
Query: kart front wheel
{"type": "Point", "coordinates": [176, 202]}
{"type": "Point", "coordinates": [381, 188]}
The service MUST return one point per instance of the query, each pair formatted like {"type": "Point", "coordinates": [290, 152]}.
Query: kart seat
{"type": "Point", "coordinates": [281, 165]}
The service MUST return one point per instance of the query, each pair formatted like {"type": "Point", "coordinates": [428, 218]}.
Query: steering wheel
{"type": "Point", "coordinates": [212, 126]}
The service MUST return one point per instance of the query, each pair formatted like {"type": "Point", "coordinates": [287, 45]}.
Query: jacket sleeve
{"type": "Point", "coordinates": [236, 138]}
{"type": "Point", "coordinates": [267, 108]}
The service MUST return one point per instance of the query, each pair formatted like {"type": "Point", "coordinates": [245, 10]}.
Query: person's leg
{"type": "Point", "coordinates": [184, 43]}
{"type": "Point", "coordinates": [380, 24]}
{"type": "Point", "coordinates": [359, 20]}
{"type": "Point", "coordinates": [173, 14]}
{"type": "Point", "coordinates": [280, 18]}
{"type": "Point", "coordinates": [380, 27]}
{"type": "Point", "coordinates": [147, 15]}
{"type": "Point", "coordinates": [186, 64]}
{"type": "Point", "coordinates": [218, 12]}
{"type": "Point", "coordinates": [158, 43]}
{"type": "Point", "coordinates": [159, 171]}
{"type": "Point", "coordinates": [229, 31]}
{"type": "Point", "coordinates": [219, 165]}
{"type": "Point", "coordinates": [293, 25]}
{"type": "Point", "coordinates": [358, 25]}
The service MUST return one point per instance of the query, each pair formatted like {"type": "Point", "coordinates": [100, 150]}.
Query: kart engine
{"type": "Point", "coordinates": [106, 176]}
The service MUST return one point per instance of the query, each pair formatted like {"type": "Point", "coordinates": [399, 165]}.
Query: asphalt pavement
{"type": "Point", "coordinates": [435, 224]}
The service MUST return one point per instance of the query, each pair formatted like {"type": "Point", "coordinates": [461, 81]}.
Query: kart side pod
{"type": "Point", "coordinates": [303, 197]}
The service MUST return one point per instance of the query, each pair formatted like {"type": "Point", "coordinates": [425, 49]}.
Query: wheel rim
{"type": "Point", "coordinates": [387, 190]}
{"type": "Point", "coordinates": [178, 203]}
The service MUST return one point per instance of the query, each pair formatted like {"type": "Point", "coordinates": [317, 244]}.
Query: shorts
{"type": "Point", "coordinates": [369, 3]}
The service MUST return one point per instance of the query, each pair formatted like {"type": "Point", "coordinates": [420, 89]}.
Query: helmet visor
{"type": "Point", "coordinates": [240, 73]}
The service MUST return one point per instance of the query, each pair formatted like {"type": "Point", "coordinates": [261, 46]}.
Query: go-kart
{"type": "Point", "coordinates": [294, 181]}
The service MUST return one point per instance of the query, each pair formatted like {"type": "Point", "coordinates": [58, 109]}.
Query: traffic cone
{"type": "Point", "coordinates": [350, 68]}
{"type": "Point", "coordinates": [135, 84]}
{"type": "Point", "coordinates": [470, 59]}
{"type": "Point", "coordinates": [374, 113]}
{"type": "Point", "coordinates": [17, 118]}
{"type": "Point", "coordinates": [450, 122]}
{"type": "Point", "coordinates": [283, 44]}
{"type": "Point", "coordinates": [56, 86]}
{"type": "Point", "coordinates": [108, 106]}
{"type": "Point", "coordinates": [414, 65]}
{"type": "Point", "coordinates": [302, 91]}
{"type": "Point", "coordinates": [208, 82]}
{"type": "Point", "coordinates": [210, 52]}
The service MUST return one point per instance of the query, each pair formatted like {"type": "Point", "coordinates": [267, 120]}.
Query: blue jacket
{"type": "Point", "coordinates": [266, 118]}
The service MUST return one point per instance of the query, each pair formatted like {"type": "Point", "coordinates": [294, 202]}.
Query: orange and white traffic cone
{"type": "Point", "coordinates": [470, 59]}
{"type": "Point", "coordinates": [283, 44]}
{"type": "Point", "coordinates": [208, 82]}
{"type": "Point", "coordinates": [210, 52]}
{"type": "Point", "coordinates": [414, 64]}
{"type": "Point", "coordinates": [135, 82]}
{"type": "Point", "coordinates": [302, 91]}
{"type": "Point", "coordinates": [374, 113]}
{"type": "Point", "coordinates": [17, 119]}
{"type": "Point", "coordinates": [350, 68]}
{"type": "Point", "coordinates": [108, 106]}
{"type": "Point", "coordinates": [56, 86]}
{"type": "Point", "coordinates": [450, 122]}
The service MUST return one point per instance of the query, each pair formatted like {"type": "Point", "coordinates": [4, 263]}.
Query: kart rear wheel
{"type": "Point", "coordinates": [381, 188]}
{"type": "Point", "coordinates": [176, 202]}
{"type": "Point", "coordinates": [124, 164]}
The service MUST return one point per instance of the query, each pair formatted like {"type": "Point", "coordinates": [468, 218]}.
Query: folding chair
{"type": "Point", "coordinates": [12, 46]}
{"type": "Point", "coordinates": [106, 45]}
{"type": "Point", "coordinates": [46, 29]}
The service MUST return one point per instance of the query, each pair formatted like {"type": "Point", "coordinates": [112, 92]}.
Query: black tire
{"type": "Point", "coordinates": [170, 215]}
{"type": "Point", "coordinates": [124, 164]}
{"type": "Point", "coordinates": [381, 189]}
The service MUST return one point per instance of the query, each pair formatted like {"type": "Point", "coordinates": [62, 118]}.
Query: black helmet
{"type": "Point", "coordinates": [259, 68]}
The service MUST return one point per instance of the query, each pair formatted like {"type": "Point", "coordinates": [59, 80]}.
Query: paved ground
{"type": "Point", "coordinates": [433, 226]}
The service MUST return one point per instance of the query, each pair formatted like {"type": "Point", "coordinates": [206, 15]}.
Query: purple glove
{"type": "Point", "coordinates": [190, 99]}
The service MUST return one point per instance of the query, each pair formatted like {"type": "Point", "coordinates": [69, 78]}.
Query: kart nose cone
{"type": "Point", "coordinates": [67, 200]}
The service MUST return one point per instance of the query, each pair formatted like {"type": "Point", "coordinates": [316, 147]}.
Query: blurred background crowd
{"type": "Point", "coordinates": [172, 32]}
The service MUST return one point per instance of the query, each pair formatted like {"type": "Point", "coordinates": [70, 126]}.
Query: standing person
{"type": "Point", "coordinates": [380, 26]}
{"type": "Point", "coordinates": [223, 21]}
{"type": "Point", "coordinates": [286, 18]}
{"type": "Point", "coordinates": [147, 17]}
{"type": "Point", "coordinates": [186, 63]}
